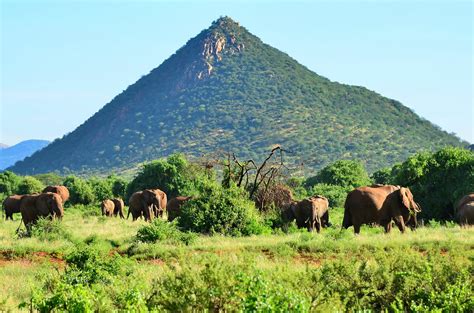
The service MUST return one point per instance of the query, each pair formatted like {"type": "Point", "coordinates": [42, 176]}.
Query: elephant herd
{"type": "Point", "coordinates": [48, 203]}
{"type": "Point", "coordinates": [374, 205]}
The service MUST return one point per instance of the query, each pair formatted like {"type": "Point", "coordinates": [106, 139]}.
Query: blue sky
{"type": "Point", "coordinates": [62, 61]}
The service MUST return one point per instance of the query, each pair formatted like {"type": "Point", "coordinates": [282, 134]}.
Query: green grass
{"type": "Point", "coordinates": [427, 267]}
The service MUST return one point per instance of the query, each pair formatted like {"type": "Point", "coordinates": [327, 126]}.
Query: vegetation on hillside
{"type": "Point", "coordinates": [226, 90]}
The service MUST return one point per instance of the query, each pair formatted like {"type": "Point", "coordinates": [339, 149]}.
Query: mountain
{"type": "Point", "coordinates": [227, 90]}
{"type": "Point", "coordinates": [10, 155]}
{"type": "Point", "coordinates": [3, 146]}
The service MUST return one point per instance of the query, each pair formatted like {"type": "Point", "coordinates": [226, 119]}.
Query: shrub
{"type": "Point", "coordinates": [174, 175]}
{"type": "Point", "coordinates": [80, 191]}
{"type": "Point", "coordinates": [46, 229]}
{"type": "Point", "coordinates": [220, 210]}
{"type": "Point", "coordinates": [437, 180]}
{"type": "Point", "coordinates": [119, 186]}
{"type": "Point", "coordinates": [344, 173]}
{"type": "Point", "coordinates": [9, 182]}
{"type": "Point", "coordinates": [297, 185]}
{"type": "Point", "coordinates": [160, 230]}
{"type": "Point", "coordinates": [335, 194]}
{"type": "Point", "coordinates": [383, 176]}
{"type": "Point", "coordinates": [30, 184]}
{"type": "Point", "coordinates": [102, 188]}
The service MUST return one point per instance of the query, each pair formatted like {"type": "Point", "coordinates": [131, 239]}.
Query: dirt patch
{"type": "Point", "coordinates": [23, 263]}
{"type": "Point", "coordinates": [158, 262]}
{"type": "Point", "coordinates": [9, 257]}
{"type": "Point", "coordinates": [308, 259]}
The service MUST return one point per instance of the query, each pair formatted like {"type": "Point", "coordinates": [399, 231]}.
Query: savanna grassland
{"type": "Point", "coordinates": [93, 263]}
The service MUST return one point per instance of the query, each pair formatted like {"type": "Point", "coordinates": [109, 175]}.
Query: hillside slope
{"type": "Point", "coordinates": [226, 89]}
{"type": "Point", "coordinates": [10, 155]}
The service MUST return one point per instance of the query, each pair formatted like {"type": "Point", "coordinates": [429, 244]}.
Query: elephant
{"type": "Point", "coordinates": [12, 205]}
{"type": "Point", "coordinates": [465, 210]}
{"type": "Point", "coordinates": [143, 203]}
{"type": "Point", "coordinates": [107, 207]}
{"type": "Point", "coordinates": [379, 205]}
{"type": "Point", "coordinates": [173, 208]}
{"type": "Point", "coordinates": [60, 190]}
{"type": "Point", "coordinates": [118, 207]}
{"type": "Point", "coordinates": [312, 213]}
{"type": "Point", "coordinates": [48, 204]}
{"type": "Point", "coordinates": [159, 210]}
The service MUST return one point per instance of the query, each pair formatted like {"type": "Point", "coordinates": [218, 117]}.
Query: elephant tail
{"type": "Point", "coordinates": [347, 221]}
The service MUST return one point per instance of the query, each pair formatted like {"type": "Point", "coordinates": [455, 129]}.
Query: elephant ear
{"type": "Point", "coordinates": [404, 197]}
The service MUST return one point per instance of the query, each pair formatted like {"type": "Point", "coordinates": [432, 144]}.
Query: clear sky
{"type": "Point", "coordinates": [61, 61]}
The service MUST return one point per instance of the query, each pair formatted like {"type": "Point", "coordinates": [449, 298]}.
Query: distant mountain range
{"type": "Point", "coordinates": [227, 90]}
{"type": "Point", "coordinates": [10, 155]}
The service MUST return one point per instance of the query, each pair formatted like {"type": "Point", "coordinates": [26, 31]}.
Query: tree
{"type": "Point", "coordinates": [174, 175]}
{"type": "Point", "coordinates": [119, 186]}
{"type": "Point", "coordinates": [102, 188]}
{"type": "Point", "coordinates": [383, 176]}
{"type": "Point", "coordinates": [437, 180]}
{"type": "Point", "coordinates": [345, 173]}
{"type": "Point", "coordinates": [80, 191]}
{"type": "Point", "coordinates": [30, 184]}
{"type": "Point", "coordinates": [9, 182]}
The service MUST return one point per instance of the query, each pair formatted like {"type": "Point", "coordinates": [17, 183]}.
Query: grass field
{"type": "Point", "coordinates": [425, 270]}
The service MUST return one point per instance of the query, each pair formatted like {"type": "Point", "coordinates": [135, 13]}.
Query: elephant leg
{"type": "Point", "coordinates": [356, 229]}
{"type": "Point", "coordinates": [318, 225]}
{"type": "Point", "coordinates": [400, 223]}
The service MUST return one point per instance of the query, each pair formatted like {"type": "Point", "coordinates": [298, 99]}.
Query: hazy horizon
{"type": "Point", "coordinates": [62, 62]}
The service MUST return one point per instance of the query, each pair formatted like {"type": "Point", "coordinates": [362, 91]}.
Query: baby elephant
{"type": "Point", "coordinates": [107, 207]}
{"type": "Point", "coordinates": [311, 213]}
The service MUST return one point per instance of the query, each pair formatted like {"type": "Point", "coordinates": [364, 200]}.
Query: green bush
{"type": "Point", "coordinates": [9, 182]}
{"type": "Point", "coordinates": [80, 191]}
{"type": "Point", "coordinates": [102, 188]}
{"type": "Point", "coordinates": [344, 173]}
{"type": "Point", "coordinates": [30, 184]}
{"type": "Point", "coordinates": [220, 210]}
{"type": "Point", "coordinates": [437, 180]}
{"type": "Point", "coordinates": [163, 231]}
{"type": "Point", "coordinates": [335, 194]}
{"type": "Point", "coordinates": [85, 285]}
{"type": "Point", "coordinates": [46, 229]}
{"type": "Point", "coordinates": [173, 175]}
{"type": "Point", "coordinates": [119, 186]}
{"type": "Point", "coordinates": [383, 176]}
{"type": "Point", "coordinates": [221, 286]}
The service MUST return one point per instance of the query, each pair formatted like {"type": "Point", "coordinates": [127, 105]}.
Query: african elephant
{"type": "Point", "coordinates": [173, 208]}
{"type": "Point", "coordinates": [311, 213]}
{"type": "Point", "coordinates": [12, 205]}
{"type": "Point", "coordinates": [159, 209]}
{"type": "Point", "coordinates": [32, 207]}
{"type": "Point", "coordinates": [143, 203]}
{"type": "Point", "coordinates": [118, 207]}
{"type": "Point", "coordinates": [380, 204]}
{"type": "Point", "coordinates": [107, 207]}
{"type": "Point", "coordinates": [60, 190]}
{"type": "Point", "coordinates": [465, 210]}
